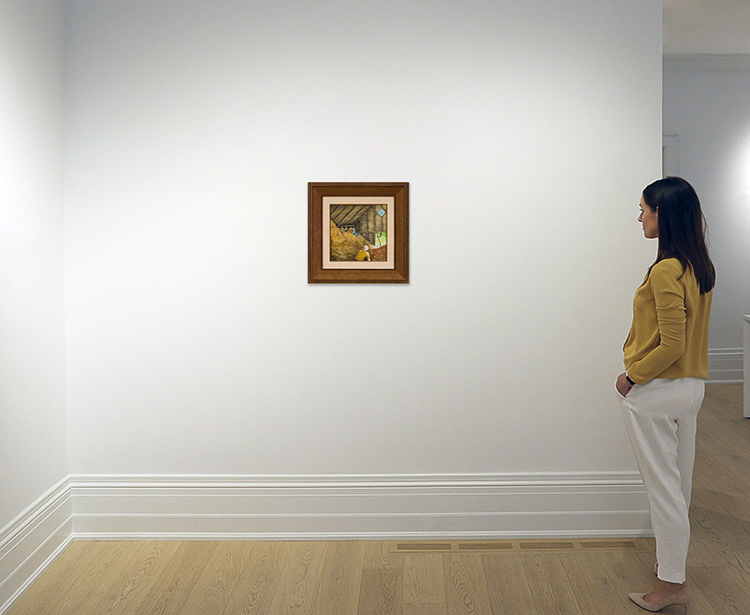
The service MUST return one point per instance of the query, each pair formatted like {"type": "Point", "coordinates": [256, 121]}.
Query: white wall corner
{"type": "Point", "coordinates": [359, 507]}
{"type": "Point", "coordinates": [29, 543]}
{"type": "Point", "coordinates": [725, 366]}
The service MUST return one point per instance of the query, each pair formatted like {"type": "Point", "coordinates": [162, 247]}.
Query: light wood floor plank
{"type": "Point", "coordinates": [381, 592]}
{"type": "Point", "coordinates": [260, 580]}
{"type": "Point", "coordinates": [424, 583]}
{"type": "Point", "coordinates": [725, 402]}
{"type": "Point", "coordinates": [465, 585]}
{"type": "Point", "coordinates": [172, 589]}
{"type": "Point", "coordinates": [341, 581]}
{"type": "Point", "coordinates": [626, 572]}
{"type": "Point", "coordinates": [700, 602]}
{"type": "Point", "coordinates": [722, 591]}
{"type": "Point", "coordinates": [379, 557]}
{"type": "Point", "coordinates": [128, 588]}
{"type": "Point", "coordinates": [219, 579]}
{"type": "Point", "coordinates": [301, 579]}
{"type": "Point", "coordinates": [592, 585]}
{"type": "Point", "coordinates": [703, 551]}
{"type": "Point", "coordinates": [425, 609]}
{"type": "Point", "coordinates": [724, 535]}
{"type": "Point", "coordinates": [110, 558]}
{"type": "Point", "coordinates": [549, 585]}
{"type": "Point", "coordinates": [715, 474]}
{"type": "Point", "coordinates": [508, 587]}
{"type": "Point", "coordinates": [726, 444]}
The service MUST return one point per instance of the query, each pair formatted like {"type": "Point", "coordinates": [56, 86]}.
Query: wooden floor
{"type": "Point", "coordinates": [557, 577]}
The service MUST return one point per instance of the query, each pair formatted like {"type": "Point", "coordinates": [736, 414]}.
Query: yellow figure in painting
{"type": "Point", "coordinates": [363, 254]}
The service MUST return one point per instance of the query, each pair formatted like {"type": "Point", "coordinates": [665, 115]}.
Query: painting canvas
{"type": "Point", "coordinates": [355, 229]}
{"type": "Point", "coordinates": [359, 233]}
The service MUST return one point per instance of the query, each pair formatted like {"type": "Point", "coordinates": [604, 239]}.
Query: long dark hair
{"type": "Point", "coordinates": [682, 228]}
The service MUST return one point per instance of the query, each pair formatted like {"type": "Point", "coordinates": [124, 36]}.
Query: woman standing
{"type": "Point", "coordinates": [666, 362]}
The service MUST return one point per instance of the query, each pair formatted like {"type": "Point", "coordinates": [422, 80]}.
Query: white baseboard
{"type": "Point", "coordinates": [32, 541]}
{"type": "Point", "coordinates": [359, 507]}
{"type": "Point", "coordinates": [725, 366]}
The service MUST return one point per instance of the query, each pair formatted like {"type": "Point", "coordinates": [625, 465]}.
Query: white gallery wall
{"type": "Point", "coordinates": [198, 355]}
{"type": "Point", "coordinates": [707, 115]}
{"type": "Point", "coordinates": [195, 343]}
{"type": "Point", "coordinates": [33, 422]}
{"type": "Point", "coordinates": [32, 328]}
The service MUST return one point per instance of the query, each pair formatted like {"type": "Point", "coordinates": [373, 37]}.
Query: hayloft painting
{"type": "Point", "coordinates": [358, 232]}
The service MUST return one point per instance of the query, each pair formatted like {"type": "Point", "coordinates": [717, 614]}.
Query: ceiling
{"type": "Point", "coordinates": [707, 26]}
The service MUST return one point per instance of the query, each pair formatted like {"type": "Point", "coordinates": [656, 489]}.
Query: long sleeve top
{"type": "Point", "coordinates": [669, 334]}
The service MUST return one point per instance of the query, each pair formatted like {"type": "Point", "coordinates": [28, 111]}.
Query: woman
{"type": "Point", "coordinates": [666, 362]}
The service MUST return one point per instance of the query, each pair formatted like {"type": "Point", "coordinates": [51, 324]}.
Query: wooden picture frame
{"type": "Point", "coordinates": [358, 233]}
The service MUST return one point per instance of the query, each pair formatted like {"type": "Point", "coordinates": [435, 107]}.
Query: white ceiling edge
{"type": "Point", "coordinates": [706, 26]}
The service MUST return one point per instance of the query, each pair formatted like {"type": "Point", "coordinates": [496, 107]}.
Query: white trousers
{"type": "Point", "coordinates": [660, 417]}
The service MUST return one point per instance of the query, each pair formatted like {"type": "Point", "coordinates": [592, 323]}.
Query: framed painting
{"type": "Point", "coordinates": [358, 233]}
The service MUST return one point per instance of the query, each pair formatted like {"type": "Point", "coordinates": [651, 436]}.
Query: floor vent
{"type": "Point", "coordinates": [523, 546]}
{"type": "Point", "coordinates": [612, 545]}
{"type": "Point", "coordinates": [424, 546]}
{"type": "Point", "coordinates": [547, 546]}
{"type": "Point", "coordinates": [484, 546]}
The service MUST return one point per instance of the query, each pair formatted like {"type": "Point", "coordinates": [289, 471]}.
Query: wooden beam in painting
{"type": "Point", "coordinates": [343, 215]}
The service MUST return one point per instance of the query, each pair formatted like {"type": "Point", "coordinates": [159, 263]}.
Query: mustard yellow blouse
{"type": "Point", "coordinates": [669, 334]}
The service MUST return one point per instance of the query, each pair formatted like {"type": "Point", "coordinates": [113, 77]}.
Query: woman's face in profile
{"type": "Point", "coordinates": [649, 218]}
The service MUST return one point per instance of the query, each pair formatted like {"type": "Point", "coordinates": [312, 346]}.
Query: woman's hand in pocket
{"type": "Point", "coordinates": [622, 385]}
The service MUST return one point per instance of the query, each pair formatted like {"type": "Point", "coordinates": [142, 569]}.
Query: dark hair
{"type": "Point", "coordinates": [682, 228]}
